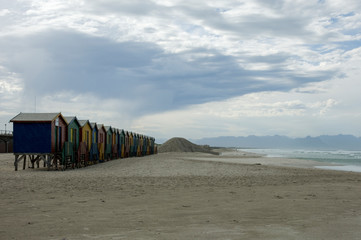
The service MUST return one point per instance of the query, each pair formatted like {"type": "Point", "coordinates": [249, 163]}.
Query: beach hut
{"type": "Point", "coordinates": [148, 151]}
{"type": "Point", "coordinates": [121, 143]}
{"type": "Point", "coordinates": [153, 148]}
{"type": "Point", "coordinates": [40, 136]}
{"type": "Point", "coordinates": [145, 144]}
{"type": "Point", "coordinates": [85, 135]}
{"type": "Point", "coordinates": [108, 142]}
{"type": "Point", "coordinates": [115, 143]}
{"type": "Point", "coordinates": [131, 144]}
{"type": "Point", "coordinates": [140, 146]}
{"type": "Point", "coordinates": [94, 152]}
{"type": "Point", "coordinates": [70, 149]}
{"type": "Point", "coordinates": [126, 144]}
{"type": "Point", "coordinates": [101, 141]}
{"type": "Point", "coordinates": [136, 143]}
{"type": "Point", "coordinates": [137, 148]}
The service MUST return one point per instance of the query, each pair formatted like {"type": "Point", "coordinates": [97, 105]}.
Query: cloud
{"type": "Point", "coordinates": [224, 64]}
{"type": "Point", "coordinates": [263, 113]}
{"type": "Point", "coordinates": [64, 60]}
{"type": "Point", "coordinates": [4, 12]}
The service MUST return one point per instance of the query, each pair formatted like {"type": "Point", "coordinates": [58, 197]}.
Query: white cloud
{"type": "Point", "coordinates": [296, 113]}
{"type": "Point", "coordinates": [108, 111]}
{"type": "Point", "coordinates": [4, 12]}
{"type": "Point", "coordinates": [226, 67]}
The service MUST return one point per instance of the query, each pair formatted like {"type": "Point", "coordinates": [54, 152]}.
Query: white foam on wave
{"type": "Point", "coordinates": [348, 168]}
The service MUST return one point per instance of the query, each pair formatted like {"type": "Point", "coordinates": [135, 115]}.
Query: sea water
{"type": "Point", "coordinates": [346, 160]}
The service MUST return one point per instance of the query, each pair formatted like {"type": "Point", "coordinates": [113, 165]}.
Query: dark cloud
{"type": "Point", "coordinates": [54, 61]}
{"type": "Point", "coordinates": [132, 8]}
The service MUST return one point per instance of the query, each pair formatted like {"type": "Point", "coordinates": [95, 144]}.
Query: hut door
{"type": "Point", "coordinates": [60, 139]}
{"type": "Point", "coordinates": [75, 139]}
{"type": "Point", "coordinates": [56, 139]}
{"type": "Point", "coordinates": [87, 138]}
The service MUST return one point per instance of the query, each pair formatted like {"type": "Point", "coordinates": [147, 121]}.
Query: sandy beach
{"type": "Point", "coordinates": [235, 195]}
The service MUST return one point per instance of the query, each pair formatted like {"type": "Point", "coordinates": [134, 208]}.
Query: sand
{"type": "Point", "coordinates": [180, 196]}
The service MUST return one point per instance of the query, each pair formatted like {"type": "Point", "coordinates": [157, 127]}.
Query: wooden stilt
{"type": "Point", "coordinates": [24, 162]}
{"type": "Point", "coordinates": [32, 160]}
{"type": "Point", "coordinates": [16, 162]}
{"type": "Point", "coordinates": [41, 157]}
{"type": "Point", "coordinates": [48, 160]}
{"type": "Point", "coordinates": [18, 158]}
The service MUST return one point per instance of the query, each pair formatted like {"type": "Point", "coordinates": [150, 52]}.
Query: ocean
{"type": "Point", "coordinates": [345, 160]}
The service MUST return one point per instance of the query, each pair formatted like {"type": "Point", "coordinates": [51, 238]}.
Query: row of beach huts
{"type": "Point", "coordinates": [63, 142]}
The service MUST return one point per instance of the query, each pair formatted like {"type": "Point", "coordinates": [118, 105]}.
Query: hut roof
{"type": "Point", "coordinates": [101, 126]}
{"type": "Point", "coordinates": [93, 125]}
{"type": "Point", "coordinates": [83, 122]}
{"type": "Point", "coordinates": [35, 117]}
{"type": "Point", "coordinates": [69, 119]}
{"type": "Point", "coordinates": [107, 128]}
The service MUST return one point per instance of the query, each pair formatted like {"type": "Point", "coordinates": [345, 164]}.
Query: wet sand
{"type": "Point", "coordinates": [181, 196]}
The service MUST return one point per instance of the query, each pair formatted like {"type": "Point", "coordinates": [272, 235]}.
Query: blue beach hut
{"type": "Point", "coordinates": [94, 152]}
{"type": "Point", "coordinates": [41, 136]}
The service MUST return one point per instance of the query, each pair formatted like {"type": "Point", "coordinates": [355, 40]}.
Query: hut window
{"type": "Point", "coordinates": [71, 135]}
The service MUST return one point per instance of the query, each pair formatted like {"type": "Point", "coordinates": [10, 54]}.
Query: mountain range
{"type": "Point", "coordinates": [324, 142]}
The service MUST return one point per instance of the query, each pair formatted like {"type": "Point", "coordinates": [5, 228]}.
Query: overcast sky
{"type": "Point", "coordinates": [183, 68]}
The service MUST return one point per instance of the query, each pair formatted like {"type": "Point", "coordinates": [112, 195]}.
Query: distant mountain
{"type": "Point", "coordinates": [324, 142]}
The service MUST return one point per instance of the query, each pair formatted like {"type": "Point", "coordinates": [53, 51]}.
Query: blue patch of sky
{"type": "Point", "coordinates": [349, 45]}
{"type": "Point", "coordinates": [320, 48]}
{"type": "Point", "coordinates": [352, 32]}
{"type": "Point", "coordinates": [333, 20]}
{"type": "Point", "coordinates": [222, 10]}
{"type": "Point", "coordinates": [336, 19]}
{"type": "Point", "coordinates": [350, 14]}
{"type": "Point", "coordinates": [192, 28]}
{"type": "Point", "coordinates": [196, 29]}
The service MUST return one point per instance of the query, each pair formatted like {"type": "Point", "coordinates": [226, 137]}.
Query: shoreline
{"type": "Point", "coordinates": [294, 162]}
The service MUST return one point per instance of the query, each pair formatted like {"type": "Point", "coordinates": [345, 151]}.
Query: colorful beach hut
{"type": "Point", "coordinates": [121, 143]}
{"type": "Point", "coordinates": [94, 152]}
{"type": "Point", "coordinates": [115, 143]}
{"type": "Point", "coordinates": [126, 144]}
{"type": "Point", "coordinates": [145, 144]}
{"type": "Point", "coordinates": [108, 142]}
{"type": "Point", "coordinates": [85, 135]}
{"type": "Point", "coordinates": [151, 145]}
{"type": "Point", "coordinates": [136, 143]}
{"type": "Point", "coordinates": [101, 141]}
{"type": "Point", "coordinates": [40, 136]}
{"type": "Point", "coordinates": [131, 144]}
{"type": "Point", "coordinates": [70, 149]}
{"type": "Point", "coordinates": [140, 145]}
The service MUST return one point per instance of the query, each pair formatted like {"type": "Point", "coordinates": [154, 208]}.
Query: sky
{"type": "Point", "coordinates": [193, 69]}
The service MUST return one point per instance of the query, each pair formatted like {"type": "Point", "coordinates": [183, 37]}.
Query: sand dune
{"type": "Point", "coordinates": [183, 145]}
{"type": "Point", "coordinates": [179, 196]}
